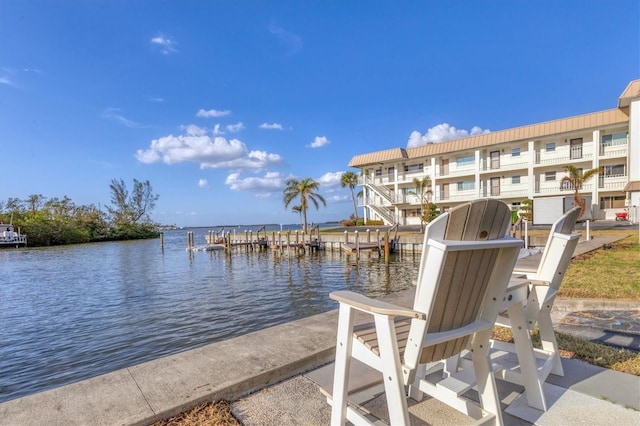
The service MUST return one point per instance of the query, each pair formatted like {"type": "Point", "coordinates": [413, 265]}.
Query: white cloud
{"type": "Point", "coordinates": [115, 114]}
{"type": "Point", "coordinates": [319, 141]}
{"type": "Point", "coordinates": [253, 160]}
{"type": "Point", "coordinates": [217, 131]}
{"type": "Point", "coordinates": [6, 80]}
{"type": "Point", "coordinates": [210, 152]}
{"type": "Point", "coordinates": [271, 181]}
{"type": "Point", "coordinates": [156, 99]}
{"type": "Point", "coordinates": [165, 44]}
{"type": "Point", "coordinates": [212, 113]}
{"type": "Point", "coordinates": [441, 133]}
{"type": "Point", "coordinates": [193, 130]}
{"type": "Point", "coordinates": [202, 183]}
{"type": "Point", "coordinates": [235, 128]}
{"type": "Point", "coordinates": [335, 199]}
{"type": "Point", "coordinates": [271, 126]}
{"type": "Point", "coordinates": [330, 179]}
{"type": "Point", "coordinates": [292, 41]}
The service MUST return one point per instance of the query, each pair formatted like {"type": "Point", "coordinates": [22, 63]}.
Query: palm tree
{"type": "Point", "coordinates": [350, 179]}
{"type": "Point", "coordinates": [297, 209]}
{"type": "Point", "coordinates": [306, 190]}
{"type": "Point", "coordinates": [423, 190]}
{"type": "Point", "coordinates": [575, 180]}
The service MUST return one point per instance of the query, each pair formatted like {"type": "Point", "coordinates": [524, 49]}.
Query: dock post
{"type": "Point", "coordinates": [368, 235]}
{"type": "Point", "coordinates": [162, 241]}
{"type": "Point", "coordinates": [251, 240]}
{"type": "Point", "coordinates": [357, 237]}
{"type": "Point", "coordinates": [280, 242]}
{"type": "Point", "coordinates": [386, 246]}
{"type": "Point", "coordinates": [289, 243]}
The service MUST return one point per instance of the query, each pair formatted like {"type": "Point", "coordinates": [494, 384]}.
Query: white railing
{"type": "Point", "coordinates": [384, 213]}
{"type": "Point", "coordinates": [505, 165]}
{"type": "Point", "coordinates": [613, 152]}
{"type": "Point", "coordinates": [384, 192]}
{"type": "Point", "coordinates": [453, 171]}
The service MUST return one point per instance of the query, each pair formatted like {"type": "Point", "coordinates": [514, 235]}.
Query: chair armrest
{"type": "Point", "coordinates": [525, 270]}
{"type": "Point", "coordinates": [374, 306]}
{"type": "Point", "coordinates": [539, 282]}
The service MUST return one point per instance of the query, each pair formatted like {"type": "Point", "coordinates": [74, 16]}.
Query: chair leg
{"type": "Point", "coordinates": [526, 358]}
{"type": "Point", "coordinates": [485, 379]}
{"type": "Point", "coordinates": [392, 371]}
{"type": "Point", "coordinates": [548, 338]}
{"type": "Point", "coordinates": [451, 365]}
{"type": "Point", "coordinates": [414, 388]}
{"type": "Point", "coordinates": [344, 345]}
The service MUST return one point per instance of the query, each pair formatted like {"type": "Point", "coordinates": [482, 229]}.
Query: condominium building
{"type": "Point", "coordinates": [514, 165]}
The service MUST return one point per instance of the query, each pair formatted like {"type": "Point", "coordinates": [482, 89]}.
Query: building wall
{"type": "Point", "coordinates": [511, 171]}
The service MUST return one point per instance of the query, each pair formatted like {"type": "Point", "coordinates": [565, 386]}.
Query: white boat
{"type": "Point", "coordinates": [208, 247]}
{"type": "Point", "coordinates": [9, 237]}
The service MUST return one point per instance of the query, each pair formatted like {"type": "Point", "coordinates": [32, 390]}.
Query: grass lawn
{"type": "Point", "coordinates": [602, 274]}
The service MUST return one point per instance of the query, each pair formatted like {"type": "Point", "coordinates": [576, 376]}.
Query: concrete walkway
{"type": "Point", "coordinates": [290, 355]}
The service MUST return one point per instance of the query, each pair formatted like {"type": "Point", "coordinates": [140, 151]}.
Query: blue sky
{"type": "Point", "coordinates": [217, 103]}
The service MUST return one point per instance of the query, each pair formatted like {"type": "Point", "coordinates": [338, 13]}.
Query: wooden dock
{"type": "Point", "coordinates": [296, 242]}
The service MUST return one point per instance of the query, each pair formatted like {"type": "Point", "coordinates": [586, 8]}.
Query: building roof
{"type": "Point", "coordinates": [632, 186]}
{"type": "Point", "coordinates": [524, 133]}
{"type": "Point", "coordinates": [378, 157]}
{"type": "Point", "coordinates": [630, 93]}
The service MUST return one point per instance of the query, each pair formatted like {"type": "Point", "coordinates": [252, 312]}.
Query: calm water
{"type": "Point", "coordinates": [74, 312]}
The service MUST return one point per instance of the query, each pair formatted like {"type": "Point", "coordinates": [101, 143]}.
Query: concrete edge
{"type": "Point", "coordinates": [244, 387]}
{"type": "Point", "coordinates": [571, 305]}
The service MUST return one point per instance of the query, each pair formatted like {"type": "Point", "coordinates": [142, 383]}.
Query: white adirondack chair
{"type": "Point", "coordinates": [465, 268]}
{"type": "Point", "coordinates": [545, 283]}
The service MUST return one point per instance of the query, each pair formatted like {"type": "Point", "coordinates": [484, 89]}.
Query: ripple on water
{"type": "Point", "coordinates": [74, 312]}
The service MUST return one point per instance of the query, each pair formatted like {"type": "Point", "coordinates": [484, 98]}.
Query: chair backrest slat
{"type": "Point", "coordinates": [452, 285]}
{"type": "Point", "coordinates": [564, 225]}
{"type": "Point", "coordinates": [554, 262]}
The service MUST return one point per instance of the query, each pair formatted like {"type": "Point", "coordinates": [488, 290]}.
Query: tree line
{"type": "Point", "coordinates": [56, 221]}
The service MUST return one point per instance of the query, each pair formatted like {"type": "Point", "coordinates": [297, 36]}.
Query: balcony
{"type": "Point", "coordinates": [614, 151]}
{"type": "Point", "coordinates": [564, 155]}
{"type": "Point", "coordinates": [505, 165]}
{"type": "Point", "coordinates": [457, 172]}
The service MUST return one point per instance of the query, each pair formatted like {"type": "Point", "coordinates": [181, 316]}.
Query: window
{"type": "Point", "coordinates": [414, 167]}
{"type": "Point", "coordinates": [412, 213]}
{"type": "Point", "coordinates": [467, 185]}
{"type": "Point", "coordinates": [515, 180]}
{"type": "Point", "coordinates": [613, 170]}
{"type": "Point", "coordinates": [614, 139]}
{"type": "Point", "coordinates": [616, 202]}
{"type": "Point", "coordinates": [515, 152]}
{"type": "Point", "coordinates": [378, 172]}
{"type": "Point", "coordinates": [550, 147]}
{"type": "Point", "coordinates": [550, 176]}
{"type": "Point", "coordinates": [468, 160]}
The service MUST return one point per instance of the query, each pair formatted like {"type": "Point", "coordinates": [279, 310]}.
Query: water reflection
{"type": "Point", "coordinates": [70, 313]}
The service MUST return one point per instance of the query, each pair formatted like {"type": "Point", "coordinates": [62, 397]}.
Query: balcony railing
{"type": "Point", "coordinates": [505, 166]}
{"type": "Point", "coordinates": [454, 172]}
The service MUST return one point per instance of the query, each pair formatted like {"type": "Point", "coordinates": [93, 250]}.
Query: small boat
{"type": "Point", "coordinates": [208, 247]}
{"type": "Point", "coordinates": [9, 237]}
